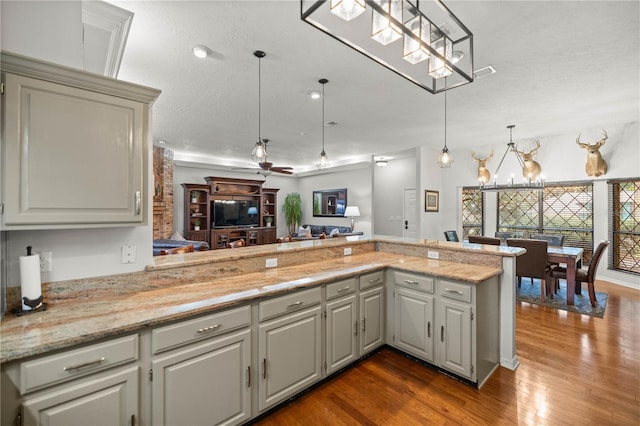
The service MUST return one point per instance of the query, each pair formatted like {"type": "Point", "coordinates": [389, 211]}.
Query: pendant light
{"type": "Point", "coordinates": [347, 9]}
{"type": "Point", "coordinates": [382, 30]}
{"type": "Point", "coordinates": [445, 159]}
{"type": "Point", "coordinates": [324, 159]}
{"type": "Point", "coordinates": [259, 152]}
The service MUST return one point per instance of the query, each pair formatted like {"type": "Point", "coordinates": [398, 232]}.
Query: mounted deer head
{"type": "Point", "coordinates": [531, 169]}
{"type": "Point", "coordinates": [483, 173]}
{"type": "Point", "coordinates": [596, 166]}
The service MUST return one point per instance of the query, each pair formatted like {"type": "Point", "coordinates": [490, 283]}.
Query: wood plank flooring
{"type": "Point", "coordinates": [574, 369]}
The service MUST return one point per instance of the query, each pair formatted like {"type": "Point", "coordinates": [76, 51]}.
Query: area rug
{"type": "Point", "coordinates": [530, 293]}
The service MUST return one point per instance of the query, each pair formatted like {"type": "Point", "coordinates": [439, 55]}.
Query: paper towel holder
{"type": "Point", "coordinates": [37, 304]}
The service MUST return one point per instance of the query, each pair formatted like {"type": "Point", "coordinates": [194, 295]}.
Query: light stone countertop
{"type": "Point", "coordinates": [109, 313]}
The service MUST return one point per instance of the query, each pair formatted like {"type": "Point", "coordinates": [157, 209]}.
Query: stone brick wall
{"type": "Point", "coordinates": [163, 193]}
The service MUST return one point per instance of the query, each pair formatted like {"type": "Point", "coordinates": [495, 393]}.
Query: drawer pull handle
{"type": "Point", "coordinates": [411, 282]}
{"type": "Point", "coordinates": [442, 333]}
{"type": "Point", "coordinates": [248, 376]}
{"type": "Point", "coordinates": [264, 368]}
{"type": "Point", "coordinates": [428, 328]}
{"type": "Point", "coordinates": [377, 280]}
{"type": "Point", "coordinates": [340, 290]}
{"type": "Point", "coordinates": [453, 291]}
{"type": "Point", "coordinates": [293, 305]}
{"type": "Point", "coordinates": [355, 328]}
{"type": "Point", "coordinates": [364, 325]}
{"type": "Point", "coordinates": [210, 328]}
{"type": "Point", "coordinates": [84, 364]}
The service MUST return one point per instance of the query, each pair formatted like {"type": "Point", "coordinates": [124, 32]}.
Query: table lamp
{"type": "Point", "coordinates": [352, 212]}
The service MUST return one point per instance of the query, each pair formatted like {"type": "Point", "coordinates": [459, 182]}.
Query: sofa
{"type": "Point", "coordinates": [308, 231]}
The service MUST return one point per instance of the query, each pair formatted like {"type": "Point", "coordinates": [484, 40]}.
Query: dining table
{"type": "Point", "coordinates": [572, 257]}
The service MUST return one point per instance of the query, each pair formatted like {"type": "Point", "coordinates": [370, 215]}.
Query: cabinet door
{"type": "Point", "coordinates": [371, 319]}
{"type": "Point", "coordinates": [454, 337]}
{"type": "Point", "coordinates": [107, 400]}
{"type": "Point", "coordinates": [342, 330]}
{"type": "Point", "coordinates": [73, 156]}
{"type": "Point", "coordinates": [203, 384]}
{"type": "Point", "coordinates": [289, 355]}
{"type": "Point", "coordinates": [414, 323]}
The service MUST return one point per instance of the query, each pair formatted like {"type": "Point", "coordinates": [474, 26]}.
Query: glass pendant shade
{"type": "Point", "coordinates": [347, 9]}
{"type": "Point", "coordinates": [413, 51]}
{"type": "Point", "coordinates": [437, 67]}
{"type": "Point", "coordinates": [382, 30]}
{"type": "Point", "coordinates": [259, 152]}
{"type": "Point", "coordinates": [324, 160]}
{"type": "Point", "coordinates": [445, 159]}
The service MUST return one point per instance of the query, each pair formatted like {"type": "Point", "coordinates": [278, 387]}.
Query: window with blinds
{"type": "Point", "coordinates": [624, 225]}
{"type": "Point", "coordinates": [472, 212]}
{"type": "Point", "coordinates": [565, 209]}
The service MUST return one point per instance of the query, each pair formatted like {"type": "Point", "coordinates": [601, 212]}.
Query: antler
{"type": "Point", "coordinates": [473, 154]}
{"type": "Point", "coordinates": [530, 153]}
{"type": "Point", "coordinates": [581, 144]}
{"type": "Point", "coordinates": [603, 140]}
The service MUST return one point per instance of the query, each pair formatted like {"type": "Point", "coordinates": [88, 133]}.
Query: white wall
{"type": "Point", "coordinates": [359, 193]}
{"type": "Point", "coordinates": [561, 160]}
{"type": "Point", "coordinates": [58, 37]}
{"type": "Point", "coordinates": [389, 184]}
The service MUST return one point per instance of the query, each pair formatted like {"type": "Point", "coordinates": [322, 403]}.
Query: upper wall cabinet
{"type": "Point", "coordinates": [75, 147]}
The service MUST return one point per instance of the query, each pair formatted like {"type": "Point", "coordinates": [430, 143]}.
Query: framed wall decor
{"type": "Point", "coordinates": [431, 201]}
{"type": "Point", "coordinates": [329, 202]}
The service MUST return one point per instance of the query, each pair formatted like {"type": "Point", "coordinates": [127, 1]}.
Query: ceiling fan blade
{"type": "Point", "coordinates": [283, 170]}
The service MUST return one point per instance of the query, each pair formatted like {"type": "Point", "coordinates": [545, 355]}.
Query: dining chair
{"type": "Point", "coordinates": [533, 263]}
{"type": "Point", "coordinates": [479, 239]}
{"type": "Point", "coordinates": [582, 276]}
{"type": "Point", "coordinates": [504, 235]}
{"type": "Point", "coordinates": [556, 240]}
{"type": "Point", "coordinates": [451, 236]}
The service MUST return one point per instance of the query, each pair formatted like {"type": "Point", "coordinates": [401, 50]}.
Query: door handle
{"type": "Point", "coordinates": [406, 224]}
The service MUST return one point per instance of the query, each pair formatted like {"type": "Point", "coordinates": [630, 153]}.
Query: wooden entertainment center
{"type": "Point", "coordinates": [259, 219]}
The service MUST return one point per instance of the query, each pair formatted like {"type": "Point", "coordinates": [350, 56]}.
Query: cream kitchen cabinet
{"type": "Point", "coordinates": [342, 324]}
{"type": "Point", "coordinates": [201, 370]}
{"type": "Point", "coordinates": [451, 324]}
{"type": "Point", "coordinates": [289, 345]}
{"type": "Point", "coordinates": [97, 384]}
{"type": "Point", "coordinates": [414, 323]}
{"type": "Point", "coordinates": [372, 312]}
{"type": "Point", "coordinates": [76, 147]}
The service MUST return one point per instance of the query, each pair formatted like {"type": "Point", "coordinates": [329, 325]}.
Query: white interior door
{"type": "Point", "coordinates": [409, 214]}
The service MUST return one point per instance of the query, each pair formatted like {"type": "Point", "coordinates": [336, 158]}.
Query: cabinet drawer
{"type": "Point", "coordinates": [371, 280]}
{"type": "Point", "coordinates": [285, 304]}
{"type": "Point", "coordinates": [416, 282]}
{"type": "Point", "coordinates": [341, 288]}
{"type": "Point", "coordinates": [457, 291]}
{"type": "Point", "coordinates": [68, 365]}
{"type": "Point", "coordinates": [188, 331]}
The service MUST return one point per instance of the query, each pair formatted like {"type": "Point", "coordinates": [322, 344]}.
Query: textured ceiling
{"type": "Point", "coordinates": [563, 68]}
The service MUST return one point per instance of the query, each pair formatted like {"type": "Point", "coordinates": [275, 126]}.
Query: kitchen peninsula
{"type": "Point", "coordinates": [229, 294]}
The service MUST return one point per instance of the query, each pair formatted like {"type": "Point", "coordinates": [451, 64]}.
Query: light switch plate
{"type": "Point", "coordinates": [433, 254]}
{"type": "Point", "coordinates": [347, 251]}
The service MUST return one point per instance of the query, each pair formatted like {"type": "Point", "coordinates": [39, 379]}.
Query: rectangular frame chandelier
{"type": "Point", "coordinates": [422, 41]}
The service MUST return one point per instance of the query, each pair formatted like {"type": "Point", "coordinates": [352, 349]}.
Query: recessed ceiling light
{"type": "Point", "coordinates": [162, 142]}
{"type": "Point", "coordinates": [200, 51]}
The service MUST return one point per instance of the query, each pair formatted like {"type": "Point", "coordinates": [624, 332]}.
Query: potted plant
{"type": "Point", "coordinates": [268, 220]}
{"type": "Point", "coordinates": [196, 225]}
{"type": "Point", "coordinates": [292, 209]}
{"type": "Point", "coordinates": [194, 196]}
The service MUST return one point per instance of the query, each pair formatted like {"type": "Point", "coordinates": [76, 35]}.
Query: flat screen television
{"type": "Point", "coordinates": [235, 213]}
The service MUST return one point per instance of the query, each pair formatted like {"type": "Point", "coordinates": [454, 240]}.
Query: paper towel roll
{"type": "Point", "coordinates": [30, 284]}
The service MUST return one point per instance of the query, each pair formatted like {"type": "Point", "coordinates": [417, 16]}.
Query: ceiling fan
{"type": "Point", "coordinates": [267, 167]}
{"type": "Point", "coordinates": [259, 152]}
